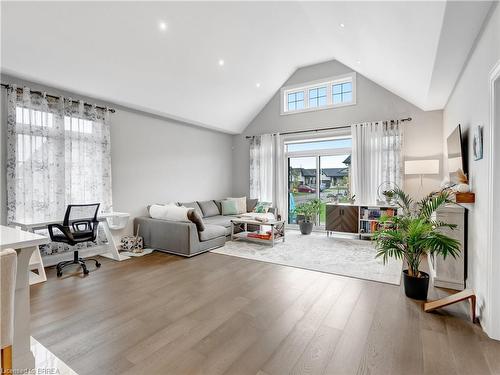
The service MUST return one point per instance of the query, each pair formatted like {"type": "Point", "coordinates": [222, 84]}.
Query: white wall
{"type": "Point", "coordinates": [423, 138]}
{"type": "Point", "coordinates": [153, 159]}
{"type": "Point", "coordinates": [469, 106]}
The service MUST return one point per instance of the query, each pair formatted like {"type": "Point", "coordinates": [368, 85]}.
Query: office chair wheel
{"type": "Point", "coordinates": [86, 271]}
{"type": "Point", "coordinates": [59, 273]}
{"type": "Point", "coordinates": [97, 264]}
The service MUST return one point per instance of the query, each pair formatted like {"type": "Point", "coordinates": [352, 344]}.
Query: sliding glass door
{"type": "Point", "coordinates": [318, 169]}
{"type": "Point", "coordinates": [302, 183]}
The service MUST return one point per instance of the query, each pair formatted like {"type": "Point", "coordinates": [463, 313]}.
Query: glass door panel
{"type": "Point", "coordinates": [335, 180]}
{"type": "Point", "coordinates": [302, 183]}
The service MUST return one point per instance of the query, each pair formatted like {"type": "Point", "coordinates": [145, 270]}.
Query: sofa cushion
{"type": "Point", "coordinates": [241, 204]}
{"type": "Point", "coordinates": [209, 208]}
{"type": "Point", "coordinates": [251, 203]}
{"type": "Point", "coordinates": [168, 212]}
{"type": "Point", "coordinates": [223, 221]}
{"type": "Point", "coordinates": [196, 219]}
{"type": "Point", "coordinates": [193, 205]}
{"type": "Point", "coordinates": [218, 203]}
{"type": "Point", "coordinates": [229, 207]}
{"type": "Point", "coordinates": [212, 231]}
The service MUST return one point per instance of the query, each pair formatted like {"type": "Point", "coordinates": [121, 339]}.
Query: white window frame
{"type": "Point", "coordinates": [328, 82]}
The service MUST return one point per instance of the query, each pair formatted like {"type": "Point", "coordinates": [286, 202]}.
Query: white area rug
{"type": "Point", "coordinates": [317, 252]}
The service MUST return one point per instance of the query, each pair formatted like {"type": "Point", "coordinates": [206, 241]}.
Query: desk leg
{"type": "Point", "coordinates": [22, 356]}
{"type": "Point", "coordinates": [113, 249]}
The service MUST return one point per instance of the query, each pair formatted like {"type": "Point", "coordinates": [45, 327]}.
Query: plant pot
{"type": "Point", "coordinates": [306, 227]}
{"type": "Point", "coordinates": [416, 287]}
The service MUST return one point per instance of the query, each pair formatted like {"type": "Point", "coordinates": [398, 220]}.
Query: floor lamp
{"type": "Point", "coordinates": [421, 167]}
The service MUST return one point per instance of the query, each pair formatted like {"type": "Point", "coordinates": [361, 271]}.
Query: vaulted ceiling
{"type": "Point", "coordinates": [216, 64]}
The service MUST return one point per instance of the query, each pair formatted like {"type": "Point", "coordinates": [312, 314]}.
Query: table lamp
{"type": "Point", "coordinates": [421, 167]}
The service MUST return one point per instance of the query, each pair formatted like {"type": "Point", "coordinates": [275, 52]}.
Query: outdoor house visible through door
{"type": "Point", "coordinates": [317, 168]}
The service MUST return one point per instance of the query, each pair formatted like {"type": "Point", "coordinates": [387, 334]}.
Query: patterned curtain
{"type": "Point", "coordinates": [377, 149]}
{"type": "Point", "coordinates": [58, 152]}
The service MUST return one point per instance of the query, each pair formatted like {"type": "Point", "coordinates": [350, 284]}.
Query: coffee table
{"type": "Point", "coordinates": [277, 230]}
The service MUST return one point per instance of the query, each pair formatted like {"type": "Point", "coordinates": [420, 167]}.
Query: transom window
{"type": "Point", "coordinates": [342, 92]}
{"type": "Point", "coordinates": [312, 96]}
{"type": "Point", "coordinates": [295, 100]}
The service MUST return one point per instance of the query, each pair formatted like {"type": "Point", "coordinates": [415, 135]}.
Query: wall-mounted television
{"type": "Point", "coordinates": [457, 154]}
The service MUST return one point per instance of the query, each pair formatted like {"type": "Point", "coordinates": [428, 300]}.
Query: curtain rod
{"type": "Point", "coordinates": [331, 128]}
{"type": "Point", "coordinates": [7, 85]}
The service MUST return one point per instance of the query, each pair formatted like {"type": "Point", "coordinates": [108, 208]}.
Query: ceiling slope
{"type": "Point", "coordinates": [117, 51]}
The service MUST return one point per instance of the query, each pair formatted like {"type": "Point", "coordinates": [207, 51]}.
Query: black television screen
{"type": "Point", "coordinates": [456, 154]}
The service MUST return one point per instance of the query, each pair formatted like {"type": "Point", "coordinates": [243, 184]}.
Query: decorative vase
{"type": "Point", "coordinates": [306, 227]}
{"type": "Point", "coordinates": [416, 287]}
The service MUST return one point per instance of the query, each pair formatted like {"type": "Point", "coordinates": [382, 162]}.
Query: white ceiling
{"type": "Point", "coordinates": [115, 51]}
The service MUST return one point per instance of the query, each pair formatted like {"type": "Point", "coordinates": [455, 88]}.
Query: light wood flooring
{"type": "Point", "coordinates": [216, 314]}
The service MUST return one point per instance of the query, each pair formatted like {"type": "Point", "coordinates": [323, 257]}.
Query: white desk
{"type": "Point", "coordinates": [24, 243]}
{"type": "Point", "coordinates": [36, 259]}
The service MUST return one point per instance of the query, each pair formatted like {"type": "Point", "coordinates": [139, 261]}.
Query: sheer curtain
{"type": "Point", "coordinates": [376, 158]}
{"type": "Point", "coordinates": [267, 179]}
{"type": "Point", "coordinates": [58, 152]}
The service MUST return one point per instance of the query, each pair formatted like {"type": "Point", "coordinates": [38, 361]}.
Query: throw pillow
{"type": "Point", "coordinates": [169, 212]}
{"type": "Point", "coordinates": [196, 219]}
{"type": "Point", "coordinates": [209, 208]}
{"type": "Point", "coordinates": [251, 203]}
{"type": "Point", "coordinates": [229, 207]}
{"type": "Point", "coordinates": [262, 207]}
{"type": "Point", "coordinates": [241, 204]}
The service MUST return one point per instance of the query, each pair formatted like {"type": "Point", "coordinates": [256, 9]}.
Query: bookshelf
{"type": "Point", "coordinates": [369, 218]}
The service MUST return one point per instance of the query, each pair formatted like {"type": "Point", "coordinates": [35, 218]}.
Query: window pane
{"type": "Point", "coordinates": [322, 101]}
{"type": "Point", "coordinates": [299, 104]}
{"type": "Point", "coordinates": [322, 91]}
{"type": "Point", "coordinates": [313, 93]}
{"type": "Point", "coordinates": [313, 102]}
{"type": "Point", "coordinates": [291, 97]}
{"type": "Point", "coordinates": [337, 89]}
{"type": "Point", "coordinates": [299, 95]}
{"type": "Point", "coordinates": [347, 97]}
{"type": "Point", "coordinates": [347, 86]}
{"type": "Point", "coordinates": [291, 106]}
{"type": "Point", "coordinates": [337, 98]}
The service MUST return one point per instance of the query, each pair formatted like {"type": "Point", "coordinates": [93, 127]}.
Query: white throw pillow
{"type": "Point", "coordinates": [169, 212]}
{"type": "Point", "coordinates": [241, 204]}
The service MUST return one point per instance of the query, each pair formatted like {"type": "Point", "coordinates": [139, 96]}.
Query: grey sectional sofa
{"type": "Point", "coordinates": [182, 238]}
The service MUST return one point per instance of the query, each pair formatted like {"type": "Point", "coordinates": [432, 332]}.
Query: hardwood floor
{"type": "Point", "coordinates": [216, 314]}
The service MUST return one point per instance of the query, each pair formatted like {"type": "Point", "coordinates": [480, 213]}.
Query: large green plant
{"type": "Point", "coordinates": [415, 233]}
{"type": "Point", "coordinates": [308, 211]}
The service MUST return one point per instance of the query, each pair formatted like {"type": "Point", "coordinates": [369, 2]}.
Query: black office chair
{"type": "Point", "coordinates": [79, 225]}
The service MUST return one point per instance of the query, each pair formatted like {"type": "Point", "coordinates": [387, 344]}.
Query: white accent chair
{"type": "Point", "coordinates": [8, 268]}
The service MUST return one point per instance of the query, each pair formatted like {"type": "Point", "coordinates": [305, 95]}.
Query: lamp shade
{"type": "Point", "coordinates": [422, 167]}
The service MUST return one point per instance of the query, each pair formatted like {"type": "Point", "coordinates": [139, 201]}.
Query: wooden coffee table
{"type": "Point", "coordinates": [277, 230]}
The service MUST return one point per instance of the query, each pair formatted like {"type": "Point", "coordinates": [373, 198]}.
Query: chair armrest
{"type": "Point", "coordinates": [65, 231]}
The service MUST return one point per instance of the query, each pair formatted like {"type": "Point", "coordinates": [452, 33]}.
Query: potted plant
{"type": "Point", "coordinates": [413, 234]}
{"type": "Point", "coordinates": [389, 196]}
{"type": "Point", "coordinates": [306, 215]}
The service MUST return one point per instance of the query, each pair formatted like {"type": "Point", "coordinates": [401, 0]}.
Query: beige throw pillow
{"type": "Point", "coordinates": [241, 204]}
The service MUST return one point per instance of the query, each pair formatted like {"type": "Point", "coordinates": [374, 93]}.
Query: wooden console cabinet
{"type": "Point", "coordinates": [342, 218]}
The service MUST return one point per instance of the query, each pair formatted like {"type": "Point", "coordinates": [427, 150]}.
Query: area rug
{"type": "Point", "coordinates": [317, 252]}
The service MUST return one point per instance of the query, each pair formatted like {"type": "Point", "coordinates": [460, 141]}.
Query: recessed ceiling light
{"type": "Point", "coordinates": [358, 62]}
{"type": "Point", "coordinates": [342, 25]}
{"type": "Point", "coordinates": [221, 62]}
{"type": "Point", "coordinates": [162, 26]}
{"type": "Point", "coordinates": [257, 84]}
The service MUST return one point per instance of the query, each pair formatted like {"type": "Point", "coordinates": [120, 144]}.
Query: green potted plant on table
{"type": "Point", "coordinates": [413, 234]}
{"type": "Point", "coordinates": [307, 213]}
